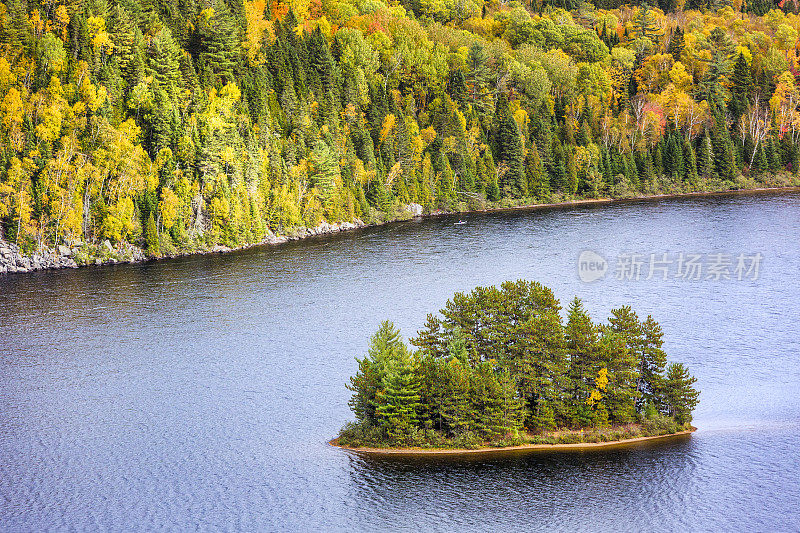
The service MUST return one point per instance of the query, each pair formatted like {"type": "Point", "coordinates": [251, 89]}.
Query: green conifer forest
{"type": "Point", "coordinates": [500, 366]}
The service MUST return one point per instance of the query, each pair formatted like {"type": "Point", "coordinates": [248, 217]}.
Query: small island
{"type": "Point", "coordinates": [499, 369]}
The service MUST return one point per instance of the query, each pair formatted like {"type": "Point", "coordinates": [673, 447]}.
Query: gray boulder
{"type": "Point", "coordinates": [414, 209]}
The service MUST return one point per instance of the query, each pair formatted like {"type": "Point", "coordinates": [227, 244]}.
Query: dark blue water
{"type": "Point", "coordinates": [199, 393]}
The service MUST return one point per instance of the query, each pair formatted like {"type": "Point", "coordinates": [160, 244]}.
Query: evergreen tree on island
{"type": "Point", "coordinates": [498, 365]}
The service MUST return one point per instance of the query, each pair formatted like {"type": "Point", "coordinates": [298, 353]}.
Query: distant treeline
{"type": "Point", "coordinates": [177, 123]}
{"type": "Point", "coordinates": [498, 360]}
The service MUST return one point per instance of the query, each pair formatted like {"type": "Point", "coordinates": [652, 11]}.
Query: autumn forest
{"type": "Point", "coordinates": [178, 124]}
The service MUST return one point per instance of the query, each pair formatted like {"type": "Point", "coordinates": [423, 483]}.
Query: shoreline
{"type": "Point", "coordinates": [632, 199]}
{"type": "Point", "coordinates": [60, 257]}
{"type": "Point", "coordinates": [497, 450]}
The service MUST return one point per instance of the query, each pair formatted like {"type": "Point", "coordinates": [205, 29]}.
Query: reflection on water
{"type": "Point", "coordinates": [199, 393]}
{"type": "Point", "coordinates": [545, 490]}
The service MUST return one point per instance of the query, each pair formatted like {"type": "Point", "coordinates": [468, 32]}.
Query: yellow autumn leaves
{"type": "Point", "coordinates": [600, 383]}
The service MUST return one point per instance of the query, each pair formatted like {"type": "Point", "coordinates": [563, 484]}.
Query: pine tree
{"type": "Point", "coordinates": [147, 15]}
{"type": "Point", "coordinates": [496, 357]}
{"type": "Point", "coordinates": [123, 30]}
{"type": "Point", "coordinates": [478, 76]}
{"type": "Point", "coordinates": [495, 409]}
{"type": "Point", "coordinates": [164, 61]}
{"type": "Point", "coordinates": [646, 25]}
{"type": "Point", "coordinates": [385, 346]}
{"type": "Point", "coordinates": [679, 398]}
{"type": "Point", "coordinates": [397, 401]}
{"type": "Point", "coordinates": [134, 71]}
{"type": "Point", "coordinates": [454, 400]}
{"type": "Point", "coordinates": [582, 346]}
{"type": "Point", "coordinates": [326, 169]}
{"type": "Point", "coordinates": [713, 86]}
{"type": "Point", "coordinates": [540, 363]}
{"type": "Point", "coordinates": [652, 360]}
{"type": "Point", "coordinates": [620, 369]}
{"type": "Point", "coordinates": [320, 61]}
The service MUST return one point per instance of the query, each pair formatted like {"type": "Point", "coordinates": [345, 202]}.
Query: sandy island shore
{"type": "Point", "coordinates": [493, 450]}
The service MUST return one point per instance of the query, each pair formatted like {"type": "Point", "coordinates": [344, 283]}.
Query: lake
{"type": "Point", "coordinates": [200, 392]}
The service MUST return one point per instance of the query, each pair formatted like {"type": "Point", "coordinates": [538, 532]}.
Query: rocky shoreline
{"type": "Point", "coordinates": [78, 253]}
{"type": "Point", "coordinates": [13, 261]}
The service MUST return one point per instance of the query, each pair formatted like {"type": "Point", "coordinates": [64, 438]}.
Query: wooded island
{"type": "Point", "coordinates": [499, 367]}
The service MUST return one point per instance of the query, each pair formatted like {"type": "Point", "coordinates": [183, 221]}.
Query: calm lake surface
{"type": "Point", "coordinates": [199, 393]}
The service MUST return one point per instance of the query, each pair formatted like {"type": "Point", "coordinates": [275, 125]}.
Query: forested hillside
{"type": "Point", "coordinates": [173, 124]}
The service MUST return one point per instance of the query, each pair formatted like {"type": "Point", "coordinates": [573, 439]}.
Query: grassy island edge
{"type": "Point", "coordinates": [513, 448]}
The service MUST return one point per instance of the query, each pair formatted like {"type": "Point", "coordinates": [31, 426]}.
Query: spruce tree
{"type": "Point", "coordinates": [724, 156]}
{"type": "Point", "coordinates": [322, 74]}
{"type": "Point", "coordinates": [742, 88]}
{"type": "Point", "coordinates": [219, 43]}
{"type": "Point", "coordinates": [538, 182]}
{"type": "Point", "coordinates": [507, 149]}
{"type": "Point", "coordinates": [648, 174]}
{"type": "Point", "coordinates": [705, 157]}
{"type": "Point", "coordinates": [690, 162]}
{"type": "Point", "coordinates": [668, 154]}
{"type": "Point", "coordinates": [658, 159]}
{"type": "Point", "coordinates": [151, 236]}
{"type": "Point", "coordinates": [676, 44]}
{"type": "Point", "coordinates": [678, 163]}
{"type": "Point", "coordinates": [773, 155]}
{"type": "Point", "coordinates": [760, 161]}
